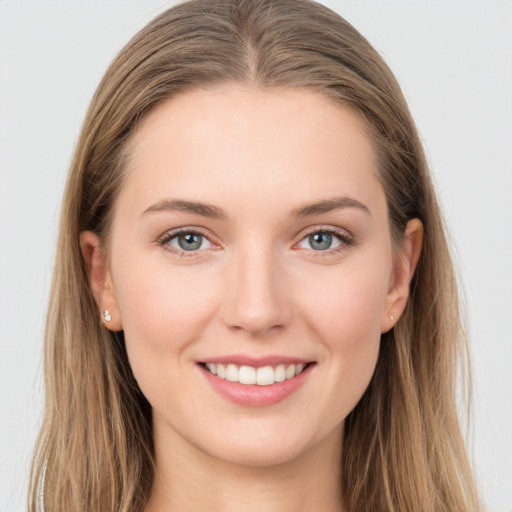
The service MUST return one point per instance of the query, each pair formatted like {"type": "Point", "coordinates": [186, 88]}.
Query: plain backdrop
{"type": "Point", "coordinates": [454, 62]}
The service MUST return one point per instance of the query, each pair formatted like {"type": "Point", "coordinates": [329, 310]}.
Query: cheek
{"type": "Point", "coordinates": [163, 309]}
{"type": "Point", "coordinates": [345, 316]}
{"type": "Point", "coordinates": [349, 307]}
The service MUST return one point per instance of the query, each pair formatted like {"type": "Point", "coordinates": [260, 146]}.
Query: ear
{"type": "Point", "coordinates": [100, 280]}
{"type": "Point", "coordinates": [403, 271]}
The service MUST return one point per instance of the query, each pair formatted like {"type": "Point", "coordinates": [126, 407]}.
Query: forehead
{"type": "Point", "coordinates": [232, 144]}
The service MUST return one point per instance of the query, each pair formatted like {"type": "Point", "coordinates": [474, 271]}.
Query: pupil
{"type": "Point", "coordinates": [320, 241]}
{"type": "Point", "coordinates": [190, 241]}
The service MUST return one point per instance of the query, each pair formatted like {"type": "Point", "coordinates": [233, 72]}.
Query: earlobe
{"type": "Point", "coordinates": [100, 281]}
{"type": "Point", "coordinates": [406, 261]}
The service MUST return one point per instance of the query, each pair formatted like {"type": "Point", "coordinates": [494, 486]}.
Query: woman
{"type": "Point", "coordinates": [253, 304]}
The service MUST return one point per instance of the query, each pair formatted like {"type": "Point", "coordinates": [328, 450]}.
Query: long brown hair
{"type": "Point", "coordinates": [402, 446]}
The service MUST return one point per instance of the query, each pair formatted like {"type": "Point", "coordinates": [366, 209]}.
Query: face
{"type": "Point", "coordinates": [251, 240]}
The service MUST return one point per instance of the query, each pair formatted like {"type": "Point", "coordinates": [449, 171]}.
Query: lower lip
{"type": "Point", "coordinates": [253, 395]}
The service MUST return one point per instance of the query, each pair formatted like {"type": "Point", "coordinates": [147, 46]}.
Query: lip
{"type": "Point", "coordinates": [254, 395]}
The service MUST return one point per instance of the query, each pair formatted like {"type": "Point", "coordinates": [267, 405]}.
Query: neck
{"type": "Point", "coordinates": [188, 479]}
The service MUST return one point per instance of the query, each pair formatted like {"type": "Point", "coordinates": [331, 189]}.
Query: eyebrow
{"type": "Point", "coordinates": [214, 212]}
{"type": "Point", "coordinates": [327, 205]}
{"type": "Point", "coordinates": [181, 205]}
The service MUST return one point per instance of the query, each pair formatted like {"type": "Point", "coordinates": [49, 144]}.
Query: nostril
{"type": "Point", "coordinates": [256, 330]}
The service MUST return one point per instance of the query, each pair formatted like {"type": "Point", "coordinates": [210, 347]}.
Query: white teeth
{"type": "Point", "coordinates": [247, 375]}
{"type": "Point", "coordinates": [280, 373]}
{"type": "Point", "coordinates": [212, 367]}
{"type": "Point", "coordinates": [221, 371]}
{"type": "Point", "coordinates": [265, 376]}
{"type": "Point", "coordinates": [232, 373]}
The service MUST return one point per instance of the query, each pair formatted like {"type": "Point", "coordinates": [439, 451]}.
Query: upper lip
{"type": "Point", "coordinates": [255, 362]}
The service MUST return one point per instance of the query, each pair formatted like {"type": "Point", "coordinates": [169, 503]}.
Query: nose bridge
{"type": "Point", "coordinates": [255, 299]}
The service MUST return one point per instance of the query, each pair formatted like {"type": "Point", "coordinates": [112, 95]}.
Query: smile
{"type": "Point", "coordinates": [249, 375]}
{"type": "Point", "coordinates": [256, 382]}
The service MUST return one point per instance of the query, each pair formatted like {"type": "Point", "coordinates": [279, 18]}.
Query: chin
{"type": "Point", "coordinates": [260, 456]}
{"type": "Point", "coordinates": [269, 448]}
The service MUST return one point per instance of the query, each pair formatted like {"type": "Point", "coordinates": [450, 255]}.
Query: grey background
{"type": "Point", "coordinates": [454, 61]}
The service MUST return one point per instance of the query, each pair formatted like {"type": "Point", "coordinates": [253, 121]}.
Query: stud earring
{"type": "Point", "coordinates": [392, 317]}
{"type": "Point", "coordinates": [107, 317]}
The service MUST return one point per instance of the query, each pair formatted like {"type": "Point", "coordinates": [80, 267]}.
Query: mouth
{"type": "Point", "coordinates": [250, 375]}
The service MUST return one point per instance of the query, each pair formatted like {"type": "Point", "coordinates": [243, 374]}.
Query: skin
{"type": "Point", "coordinates": [256, 286]}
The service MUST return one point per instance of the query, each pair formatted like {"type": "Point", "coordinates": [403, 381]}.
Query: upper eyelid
{"type": "Point", "coordinates": [167, 235]}
{"type": "Point", "coordinates": [326, 229]}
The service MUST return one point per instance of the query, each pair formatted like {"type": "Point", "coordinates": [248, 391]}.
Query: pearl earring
{"type": "Point", "coordinates": [392, 317]}
{"type": "Point", "coordinates": [107, 317]}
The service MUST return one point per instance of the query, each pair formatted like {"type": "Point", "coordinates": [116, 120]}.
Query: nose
{"type": "Point", "coordinates": [255, 300]}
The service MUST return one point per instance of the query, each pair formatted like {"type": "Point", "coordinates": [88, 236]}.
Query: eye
{"type": "Point", "coordinates": [186, 241]}
{"type": "Point", "coordinates": [320, 241]}
{"type": "Point", "coordinates": [325, 240]}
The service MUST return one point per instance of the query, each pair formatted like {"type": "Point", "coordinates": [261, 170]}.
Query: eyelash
{"type": "Point", "coordinates": [164, 240]}
{"type": "Point", "coordinates": [347, 240]}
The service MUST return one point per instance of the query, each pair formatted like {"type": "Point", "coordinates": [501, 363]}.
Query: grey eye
{"type": "Point", "coordinates": [190, 242]}
{"type": "Point", "coordinates": [320, 241]}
